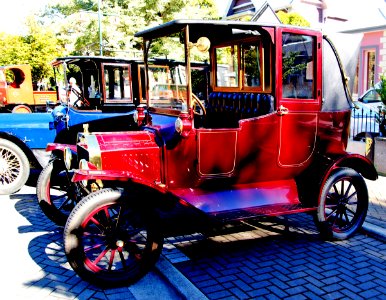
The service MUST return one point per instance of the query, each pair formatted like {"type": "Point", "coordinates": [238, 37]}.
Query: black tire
{"type": "Point", "coordinates": [14, 168]}
{"type": "Point", "coordinates": [110, 244]}
{"type": "Point", "coordinates": [56, 194]}
{"type": "Point", "coordinates": [343, 204]}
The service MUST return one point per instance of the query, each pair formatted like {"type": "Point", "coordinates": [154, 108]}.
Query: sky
{"type": "Point", "coordinates": [14, 12]}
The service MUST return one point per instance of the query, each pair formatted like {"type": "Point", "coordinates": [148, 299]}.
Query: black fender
{"type": "Point", "coordinates": [34, 163]}
{"type": "Point", "coordinates": [313, 178]}
{"type": "Point", "coordinates": [357, 162]}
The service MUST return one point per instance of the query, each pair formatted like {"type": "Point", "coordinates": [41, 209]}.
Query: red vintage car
{"type": "Point", "coordinates": [270, 139]}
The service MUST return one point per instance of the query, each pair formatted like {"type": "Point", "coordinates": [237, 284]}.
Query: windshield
{"type": "Point", "coordinates": [168, 83]}
{"type": "Point", "coordinates": [61, 82]}
{"type": "Point", "coordinates": [167, 86]}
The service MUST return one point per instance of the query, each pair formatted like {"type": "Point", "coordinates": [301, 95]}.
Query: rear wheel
{"type": "Point", "coordinates": [343, 204]}
{"type": "Point", "coordinates": [109, 243]}
{"type": "Point", "coordinates": [14, 168]}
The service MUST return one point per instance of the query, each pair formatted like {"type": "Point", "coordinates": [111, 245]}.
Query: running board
{"type": "Point", "coordinates": [262, 211]}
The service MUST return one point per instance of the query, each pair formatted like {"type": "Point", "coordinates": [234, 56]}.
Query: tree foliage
{"type": "Point", "coordinates": [72, 28]}
{"type": "Point", "coordinates": [77, 22]}
{"type": "Point", "coordinates": [292, 19]}
{"type": "Point", "coordinates": [382, 88]}
{"type": "Point", "coordinates": [13, 50]}
{"type": "Point", "coordinates": [38, 48]}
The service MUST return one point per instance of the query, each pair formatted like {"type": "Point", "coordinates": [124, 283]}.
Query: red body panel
{"type": "Point", "coordinates": [134, 151]}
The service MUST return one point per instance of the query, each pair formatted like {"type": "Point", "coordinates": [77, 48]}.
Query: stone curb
{"type": "Point", "coordinates": [182, 285]}
{"type": "Point", "coordinates": [375, 230]}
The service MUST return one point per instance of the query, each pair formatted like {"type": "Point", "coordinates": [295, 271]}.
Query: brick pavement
{"type": "Point", "coordinates": [34, 266]}
{"type": "Point", "coordinates": [271, 262]}
{"type": "Point", "coordinates": [295, 264]}
{"type": "Point", "coordinates": [265, 262]}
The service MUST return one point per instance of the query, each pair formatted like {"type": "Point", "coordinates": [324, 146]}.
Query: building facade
{"type": "Point", "coordinates": [347, 16]}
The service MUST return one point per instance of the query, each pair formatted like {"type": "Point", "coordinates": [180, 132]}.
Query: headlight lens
{"type": "Point", "coordinates": [135, 116]}
{"type": "Point", "coordinates": [67, 157]}
{"type": "Point", "coordinates": [179, 125]}
{"type": "Point", "coordinates": [83, 165]}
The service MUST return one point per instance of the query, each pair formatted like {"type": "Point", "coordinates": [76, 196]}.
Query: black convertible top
{"type": "Point", "coordinates": [209, 28]}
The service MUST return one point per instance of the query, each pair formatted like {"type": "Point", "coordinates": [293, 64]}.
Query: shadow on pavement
{"type": "Point", "coordinates": [46, 249]}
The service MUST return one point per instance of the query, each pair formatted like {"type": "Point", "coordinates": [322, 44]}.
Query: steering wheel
{"type": "Point", "coordinates": [81, 99]}
{"type": "Point", "coordinates": [197, 101]}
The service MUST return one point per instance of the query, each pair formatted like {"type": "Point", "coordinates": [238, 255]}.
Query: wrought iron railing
{"type": "Point", "coordinates": [362, 122]}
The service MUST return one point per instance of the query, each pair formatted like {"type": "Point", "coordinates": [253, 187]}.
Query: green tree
{"type": "Point", "coordinates": [77, 22]}
{"type": "Point", "coordinates": [292, 18]}
{"type": "Point", "coordinates": [43, 48]}
{"type": "Point", "coordinates": [38, 48]}
{"type": "Point", "coordinates": [381, 117]}
{"type": "Point", "coordinates": [13, 50]}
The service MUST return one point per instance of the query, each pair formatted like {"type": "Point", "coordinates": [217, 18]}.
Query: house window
{"type": "Point", "coordinates": [369, 68]}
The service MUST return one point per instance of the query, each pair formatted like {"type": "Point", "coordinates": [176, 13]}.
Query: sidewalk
{"type": "Point", "coordinates": [375, 222]}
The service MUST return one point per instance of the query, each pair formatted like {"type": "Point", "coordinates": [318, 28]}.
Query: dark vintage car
{"type": "Point", "coordinates": [111, 89]}
{"type": "Point", "coordinates": [108, 86]}
{"type": "Point", "coordinates": [56, 194]}
{"type": "Point", "coordinates": [269, 140]}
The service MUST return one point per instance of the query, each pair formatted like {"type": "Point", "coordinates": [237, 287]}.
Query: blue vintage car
{"type": "Point", "coordinates": [111, 87]}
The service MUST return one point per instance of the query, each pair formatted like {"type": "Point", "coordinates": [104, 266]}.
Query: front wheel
{"type": "Point", "coordinates": [14, 168]}
{"type": "Point", "coordinates": [343, 204]}
{"type": "Point", "coordinates": [109, 243]}
{"type": "Point", "coordinates": [56, 194]}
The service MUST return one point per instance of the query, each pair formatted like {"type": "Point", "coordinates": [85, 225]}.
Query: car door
{"type": "Point", "coordinates": [299, 83]}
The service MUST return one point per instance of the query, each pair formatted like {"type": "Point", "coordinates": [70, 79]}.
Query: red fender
{"type": "Point", "coordinates": [116, 175]}
{"type": "Point", "coordinates": [56, 146]}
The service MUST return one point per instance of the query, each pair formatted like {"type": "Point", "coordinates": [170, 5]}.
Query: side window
{"type": "Point", "coordinates": [298, 66]}
{"type": "Point", "coordinates": [251, 65]}
{"type": "Point", "coordinates": [15, 77]}
{"type": "Point", "coordinates": [117, 83]}
{"type": "Point", "coordinates": [93, 88]}
{"type": "Point", "coordinates": [227, 69]}
{"type": "Point", "coordinates": [240, 67]}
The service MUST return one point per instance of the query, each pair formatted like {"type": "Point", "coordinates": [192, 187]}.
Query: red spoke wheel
{"type": "Point", "coordinates": [110, 244]}
{"type": "Point", "coordinates": [343, 204]}
{"type": "Point", "coordinates": [56, 194]}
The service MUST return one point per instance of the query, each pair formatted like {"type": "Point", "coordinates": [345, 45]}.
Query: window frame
{"type": "Point", "coordinates": [125, 99]}
{"type": "Point", "coordinates": [241, 86]}
{"type": "Point", "coordinates": [317, 53]}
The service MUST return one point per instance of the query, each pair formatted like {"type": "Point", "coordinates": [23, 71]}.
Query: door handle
{"type": "Point", "coordinates": [282, 110]}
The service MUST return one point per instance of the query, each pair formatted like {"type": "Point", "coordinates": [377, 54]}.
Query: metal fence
{"type": "Point", "coordinates": [362, 122]}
